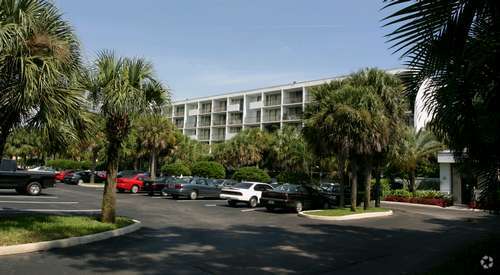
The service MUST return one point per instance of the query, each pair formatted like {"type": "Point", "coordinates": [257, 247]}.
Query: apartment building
{"type": "Point", "coordinates": [218, 118]}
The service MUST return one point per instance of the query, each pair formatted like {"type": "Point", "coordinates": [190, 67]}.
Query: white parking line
{"type": "Point", "coordinates": [200, 200]}
{"type": "Point", "coordinates": [252, 209]}
{"type": "Point", "coordinates": [41, 202]}
{"type": "Point", "coordinates": [29, 197]}
{"type": "Point", "coordinates": [210, 205]}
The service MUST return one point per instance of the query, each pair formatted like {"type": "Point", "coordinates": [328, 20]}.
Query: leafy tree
{"type": "Point", "coordinates": [451, 49]}
{"type": "Point", "coordinates": [176, 169]}
{"type": "Point", "coordinates": [186, 150]}
{"type": "Point", "coordinates": [415, 148]}
{"type": "Point", "coordinates": [120, 89]}
{"type": "Point", "coordinates": [208, 169]}
{"type": "Point", "coordinates": [155, 133]}
{"type": "Point", "coordinates": [38, 60]}
{"type": "Point", "coordinates": [289, 151]}
{"type": "Point", "coordinates": [251, 174]}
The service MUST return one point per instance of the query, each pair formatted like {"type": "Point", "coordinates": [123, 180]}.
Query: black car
{"type": "Point", "coordinates": [156, 186]}
{"type": "Point", "coordinates": [292, 196]}
{"type": "Point", "coordinates": [81, 177]}
{"type": "Point", "coordinates": [24, 182]}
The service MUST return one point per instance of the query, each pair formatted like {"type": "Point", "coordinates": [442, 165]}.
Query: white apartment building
{"type": "Point", "coordinates": [217, 118]}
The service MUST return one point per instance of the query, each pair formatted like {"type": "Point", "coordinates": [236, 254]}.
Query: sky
{"type": "Point", "coordinates": [207, 47]}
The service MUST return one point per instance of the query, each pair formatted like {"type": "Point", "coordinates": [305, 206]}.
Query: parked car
{"type": "Point", "coordinates": [24, 182]}
{"type": "Point", "coordinates": [81, 177]}
{"type": "Point", "coordinates": [133, 183]}
{"type": "Point", "coordinates": [193, 188]}
{"type": "Point", "coordinates": [249, 192]}
{"type": "Point", "coordinates": [292, 196]}
{"type": "Point", "coordinates": [61, 174]}
{"type": "Point", "coordinates": [42, 169]}
{"type": "Point", "coordinates": [156, 186]}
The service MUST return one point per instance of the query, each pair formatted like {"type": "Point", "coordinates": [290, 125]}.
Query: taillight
{"type": "Point", "coordinates": [178, 186]}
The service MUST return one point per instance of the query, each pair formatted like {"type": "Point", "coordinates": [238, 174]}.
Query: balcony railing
{"type": "Point", "coordinates": [252, 119]}
{"type": "Point", "coordinates": [235, 121]}
{"type": "Point", "coordinates": [273, 102]}
{"type": "Point", "coordinates": [218, 137]}
{"type": "Point", "coordinates": [204, 123]}
{"type": "Point", "coordinates": [205, 110]}
{"type": "Point", "coordinates": [190, 124]}
{"type": "Point", "coordinates": [193, 137]}
{"type": "Point", "coordinates": [220, 109]}
{"type": "Point", "coordinates": [219, 122]}
{"type": "Point", "coordinates": [193, 112]}
{"type": "Point", "coordinates": [233, 108]}
{"type": "Point", "coordinates": [203, 137]}
{"type": "Point", "coordinates": [293, 99]}
{"type": "Point", "coordinates": [179, 113]}
{"type": "Point", "coordinates": [292, 116]}
{"type": "Point", "coordinates": [271, 118]}
{"type": "Point", "coordinates": [255, 105]}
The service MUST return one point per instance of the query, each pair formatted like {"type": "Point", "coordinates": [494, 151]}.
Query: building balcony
{"type": "Point", "coordinates": [195, 137]}
{"type": "Point", "coordinates": [271, 118]}
{"type": "Point", "coordinates": [230, 135]}
{"type": "Point", "coordinates": [252, 119]}
{"type": "Point", "coordinates": [219, 122]}
{"type": "Point", "coordinates": [255, 105]}
{"type": "Point", "coordinates": [233, 108]}
{"type": "Point", "coordinates": [276, 102]}
{"type": "Point", "coordinates": [293, 100]}
{"type": "Point", "coordinates": [190, 124]}
{"type": "Point", "coordinates": [205, 111]}
{"type": "Point", "coordinates": [179, 114]}
{"type": "Point", "coordinates": [203, 137]}
{"type": "Point", "coordinates": [219, 109]}
{"type": "Point", "coordinates": [292, 116]}
{"type": "Point", "coordinates": [193, 112]}
{"type": "Point", "coordinates": [235, 121]}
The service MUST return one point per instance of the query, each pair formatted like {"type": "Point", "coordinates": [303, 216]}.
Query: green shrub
{"type": "Point", "coordinates": [176, 169]}
{"type": "Point", "coordinates": [399, 193]}
{"type": "Point", "coordinates": [68, 164]}
{"type": "Point", "coordinates": [208, 169]}
{"type": "Point", "coordinates": [293, 177]}
{"type": "Point", "coordinates": [385, 186]}
{"type": "Point", "coordinates": [251, 174]}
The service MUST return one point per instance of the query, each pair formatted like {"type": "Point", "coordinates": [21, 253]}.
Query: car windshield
{"type": "Point", "coordinates": [287, 188]}
{"type": "Point", "coordinates": [243, 185]}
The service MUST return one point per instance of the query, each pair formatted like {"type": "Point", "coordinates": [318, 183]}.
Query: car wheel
{"type": "Point", "coordinates": [269, 208]}
{"type": "Point", "coordinates": [253, 202]}
{"type": "Point", "coordinates": [193, 195]}
{"type": "Point", "coordinates": [299, 206]}
{"type": "Point", "coordinates": [34, 189]}
{"type": "Point", "coordinates": [134, 189]}
{"type": "Point", "coordinates": [231, 203]}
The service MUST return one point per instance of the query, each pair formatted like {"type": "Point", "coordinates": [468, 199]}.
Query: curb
{"type": "Point", "coordinates": [91, 185]}
{"type": "Point", "coordinates": [432, 206]}
{"type": "Point", "coordinates": [346, 217]}
{"type": "Point", "coordinates": [68, 242]}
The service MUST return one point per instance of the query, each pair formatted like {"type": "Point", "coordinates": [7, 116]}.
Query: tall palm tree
{"type": "Point", "coordinates": [453, 47]}
{"type": "Point", "coordinates": [119, 89]}
{"type": "Point", "coordinates": [155, 133]}
{"type": "Point", "coordinates": [39, 54]}
{"type": "Point", "coordinates": [414, 148]}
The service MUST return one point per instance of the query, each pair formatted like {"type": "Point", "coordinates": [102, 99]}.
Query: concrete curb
{"type": "Point", "coordinates": [346, 217]}
{"type": "Point", "coordinates": [455, 208]}
{"type": "Point", "coordinates": [73, 241]}
{"type": "Point", "coordinates": [91, 185]}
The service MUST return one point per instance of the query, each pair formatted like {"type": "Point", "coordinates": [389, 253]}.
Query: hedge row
{"type": "Point", "coordinates": [176, 169]}
{"type": "Point", "coordinates": [251, 174]}
{"type": "Point", "coordinates": [208, 169]}
{"type": "Point", "coordinates": [430, 197]}
{"type": "Point", "coordinates": [68, 164]}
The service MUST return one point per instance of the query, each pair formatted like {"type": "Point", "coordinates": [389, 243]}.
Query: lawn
{"type": "Point", "coordinates": [345, 211]}
{"type": "Point", "coordinates": [37, 228]}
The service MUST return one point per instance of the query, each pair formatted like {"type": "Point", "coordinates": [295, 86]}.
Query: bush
{"type": "Point", "coordinates": [293, 177]}
{"type": "Point", "coordinates": [208, 169]}
{"type": "Point", "coordinates": [429, 184]}
{"type": "Point", "coordinates": [431, 197]}
{"type": "Point", "coordinates": [251, 174]}
{"type": "Point", "coordinates": [68, 164]}
{"type": "Point", "coordinates": [176, 169]}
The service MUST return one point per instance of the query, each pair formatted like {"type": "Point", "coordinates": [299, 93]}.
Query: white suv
{"type": "Point", "coordinates": [249, 192]}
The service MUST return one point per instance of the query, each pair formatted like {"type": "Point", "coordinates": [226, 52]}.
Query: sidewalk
{"type": "Point", "coordinates": [453, 207]}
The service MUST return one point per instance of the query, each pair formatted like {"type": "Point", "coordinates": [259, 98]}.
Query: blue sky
{"type": "Point", "coordinates": [204, 47]}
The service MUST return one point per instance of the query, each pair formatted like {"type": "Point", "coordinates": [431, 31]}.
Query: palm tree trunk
{"type": "Point", "coordinates": [412, 181]}
{"type": "Point", "coordinates": [354, 184]}
{"type": "Point", "coordinates": [342, 175]}
{"type": "Point", "coordinates": [94, 164]}
{"type": "Point", "coordinates": [367, 176]}
{"type": "Point", "coordinates": [377, 187]}
{"type": "Point", "coordinates": [109, 196]}
{"type": "Point", "coordinates": [152, 166]}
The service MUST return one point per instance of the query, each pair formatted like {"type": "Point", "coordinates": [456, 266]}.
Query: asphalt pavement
{"type": "Point", "coordinates": [208, 237]}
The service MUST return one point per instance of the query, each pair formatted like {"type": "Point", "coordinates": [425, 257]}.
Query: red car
{"type": "Point", "coordinates": [61, 174]}
{"type": "Point", "coordinates": [133, 183]}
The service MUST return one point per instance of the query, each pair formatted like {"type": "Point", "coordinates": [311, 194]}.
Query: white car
{"type": "Point", "coordinates": [249, 192]}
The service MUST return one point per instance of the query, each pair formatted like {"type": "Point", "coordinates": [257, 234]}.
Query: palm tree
{"type": "Point", "coordinates": [38, 58]}
{"type": "Point", "coordinates": [155, 133]}
{"type": "Point", "coordinates": [119, 89]}
{"type": "Point", "coordinates": [289, 150]}
{"type": "Point", "coordinates": [414, 148]}
{"type": "Point", "coordinates": [354, 118]}
{"type": "Point", "coordinates": [452, 46]}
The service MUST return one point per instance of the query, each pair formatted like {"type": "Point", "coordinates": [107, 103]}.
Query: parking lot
{"type": "Point", "coordinates": [207, 236]}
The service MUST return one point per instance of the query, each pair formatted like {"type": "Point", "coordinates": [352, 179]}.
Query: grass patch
{"type": "Point", "coordinates": [345, 211]}
{"type": "Point", "coordinates": [466, 260]}
{"type": "Point", "coordinates": [38, 228]}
